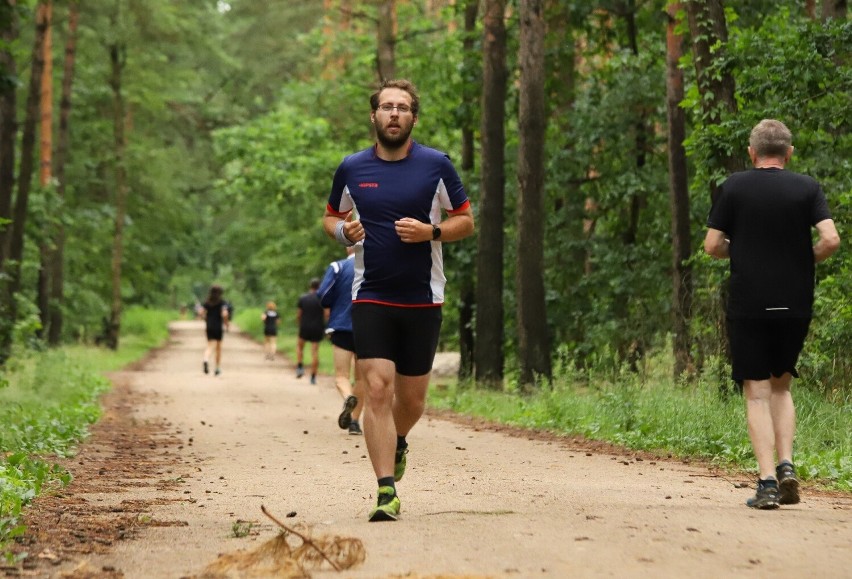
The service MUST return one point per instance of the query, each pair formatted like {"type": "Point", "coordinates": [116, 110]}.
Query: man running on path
{"type": "Point", "coordinates": [397, 188]}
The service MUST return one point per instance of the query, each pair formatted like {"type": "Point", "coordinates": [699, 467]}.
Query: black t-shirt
{"type": "Point", "coordinates": [214, 316]}
{"type": "Point", "coordinates": [270, 322]}
{"type": "Point", "coordinates": [313, 315]}
{"type": "Point", "coordinates": [767, 214]}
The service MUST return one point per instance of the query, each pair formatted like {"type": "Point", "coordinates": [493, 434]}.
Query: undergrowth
{"type": "Point", "coordinates": [692, 418]}
{"type": "Point", "coordinates": [48, 400]}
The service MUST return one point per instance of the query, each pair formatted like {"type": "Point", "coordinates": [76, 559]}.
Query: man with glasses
{"type": "Point", "coordinates": [386, 201]}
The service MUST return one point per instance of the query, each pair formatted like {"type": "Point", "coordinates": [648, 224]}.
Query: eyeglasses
{"type": "Point", "coordinates": [402, 109]}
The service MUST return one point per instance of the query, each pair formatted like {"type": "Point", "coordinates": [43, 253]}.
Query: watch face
{"type": "Point", "coordinates": [436, 232]}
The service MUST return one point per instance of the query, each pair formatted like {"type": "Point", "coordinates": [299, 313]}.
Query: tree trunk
{"type": "Point", "coordinates": [533, 334]}
{"type": "Point", "coordinates": [117, 58]}
{"type": "Point", "coordinates": [488, 348]}
{"type": "Point", "coordinates": [45, 176]}
{"type": "Point", "coordinates": [8, 124]}
{"type": "Point", "coordinates": [708, 29]}
{"type": "Point", "coordinates": [57, 265]}
{"type": "Point", "coordinates": [8, 138]}
{"type": "Point", "coordinates": [386, 36]}
{"type": "Point", "coordinates": [810, 9]}
{"type": "Point", "coordinates": [836, 9]}
{"type": "Point", "coordinates": [15, 253]}
{"type": "Point", "coordinates": [630, 345]}
{"type": "Point", "coordinates": [679, 197]}
{"type": "Point", "coordinates": [470, 93]}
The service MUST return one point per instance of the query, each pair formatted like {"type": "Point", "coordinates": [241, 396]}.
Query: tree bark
{"type": "Point", "coordinates": [467, 295]}
{"type": "Point", "coordinates": [488, 348]}
{"type": "Point", "coordinates": [533, 334]}
{"type": "Point", "coordinates": [836, 9]}
{"type": "Point", "coordinates": [45, 170]}
{"type": "Point", "coordinates": [678, 197]}
{"type": "Point", "coordinates": [117, 60]}
{"type": "Point", "coordinates": [708, 28]}
{"type": "Point", "coordinates": [8, 124]}
{"type": "Point", "coordinates": [8, 138]}
{"type": "Point", "coordinates": [15, 251]}
{"type": "Point", "coordinates": [57, 264]}
{"type": "Point", "coordinates": [386, 37]}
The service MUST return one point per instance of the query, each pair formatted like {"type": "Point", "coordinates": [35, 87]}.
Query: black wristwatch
{"type": "Point", "coordinates": [436, 232]}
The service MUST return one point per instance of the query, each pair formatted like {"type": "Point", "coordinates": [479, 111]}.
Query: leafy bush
{"type": "Point", "coordinates": [49, 400]}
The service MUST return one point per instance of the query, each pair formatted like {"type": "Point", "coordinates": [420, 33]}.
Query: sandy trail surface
{"type": "Point", "coordinates": [175, 474]}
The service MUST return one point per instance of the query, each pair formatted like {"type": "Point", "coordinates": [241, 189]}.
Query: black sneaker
{"type": "Point", "coordinates": [355, 428]}
{"type": "Point", "coordinates": [767, 495]}
{"type": "Point", "coordinates": [345, 418]}
{"type": "Point", "coordinates": [206, 368]}
{"type": "Point", "coordinates": [787, 483]}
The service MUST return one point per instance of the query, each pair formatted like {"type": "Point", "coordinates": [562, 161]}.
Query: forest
{"type": "Point", "coordinates": [151, 148]}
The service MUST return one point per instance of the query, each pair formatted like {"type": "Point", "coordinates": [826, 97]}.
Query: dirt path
{"type": "Point", "coordinates": [182, 462]}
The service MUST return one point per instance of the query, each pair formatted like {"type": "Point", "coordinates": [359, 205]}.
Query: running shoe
{"type": "Point", "coordinates": [787, 483]}
{"type": "Point", "coordinates": [313, 378]}
{"type": "Point", "coordinates": [300, 371]}
{"type": "Point", "coordinates": [399, 463]}
{"type": "Point", "coordinates": [345, 418]}
{"type": "Point", "coordinates": [767, 495]}
{"type": "Point", "coordinates": [218, 371]}
{"type": "Point", "coordinates": [387, 507]}
{"type": "Point", "coordinates": [355, 428]}
{"type": "Point", "coordinates": [206, 368]}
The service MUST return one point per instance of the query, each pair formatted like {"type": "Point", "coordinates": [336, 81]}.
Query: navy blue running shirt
{"type": "Point", "coordinates": [388, 271]}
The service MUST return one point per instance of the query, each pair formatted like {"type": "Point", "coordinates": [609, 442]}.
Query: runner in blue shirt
{"type": "Point", "coordinates": [335, 293]}
{"type": "Point", "coordinates": [387, 201]}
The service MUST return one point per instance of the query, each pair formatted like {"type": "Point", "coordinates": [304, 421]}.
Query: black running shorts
{"type": "Point", "coordinates": [406, 336]}
{"type": "Point", "coordinates": [214, 334]}
{"type": "Point", "coordinates": [762, 348]}
{"type": "Point", "coordinates": [343, 340]}
{"type": "Point", "coordinates": [312, 334]}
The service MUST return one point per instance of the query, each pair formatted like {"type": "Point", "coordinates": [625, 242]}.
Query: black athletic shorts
{"type": "Point", "coordinates": [344, 340]}
{"type": "Point", "coordinates": [311, 334]}
{"type": "Point", "coordinates": [406, 336]}
{"type": "Point", "coordinates": [761, 348]}
{"type": "Point", "coordinates": [214, 334]}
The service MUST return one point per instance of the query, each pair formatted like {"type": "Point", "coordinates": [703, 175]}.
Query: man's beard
{"type": "Point", "coordinates": [393, 141]}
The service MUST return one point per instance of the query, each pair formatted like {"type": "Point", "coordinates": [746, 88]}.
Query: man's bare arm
{"type": "Point", "coordinates": [828, 242]}
{"type": "Point", "coordinates": [716, 244]}
{"type": "Point", "coordinates": [455, 227]}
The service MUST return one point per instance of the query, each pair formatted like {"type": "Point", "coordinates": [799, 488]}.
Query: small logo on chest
{"type": "Point", "coordinates": [368, 185]}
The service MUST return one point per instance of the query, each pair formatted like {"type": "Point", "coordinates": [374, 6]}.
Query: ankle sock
{"type": "Point", "coordinates": [400, 442]}
{"type": "Point", "coordinates": [387, 482]}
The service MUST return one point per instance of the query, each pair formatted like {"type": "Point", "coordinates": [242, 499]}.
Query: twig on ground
{"type": "Point", "coordinates": [304, 538]}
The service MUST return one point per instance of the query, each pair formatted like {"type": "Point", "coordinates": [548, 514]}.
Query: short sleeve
{"type": "Point", "coordinates": [720, 217]}
{"type": "Point", "coordinates": [339, 201]}
{"type": "Point", "coordinates": [454, 197]}
{"type": "Point", "coordinates": [819, 207]}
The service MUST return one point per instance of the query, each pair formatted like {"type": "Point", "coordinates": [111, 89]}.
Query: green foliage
{"type": "Point", "coordinates": [812, 59]}
{"type": "Point", "coordinates": [49, 402]}
{"type": "Point", "coordinates": [657, 415]}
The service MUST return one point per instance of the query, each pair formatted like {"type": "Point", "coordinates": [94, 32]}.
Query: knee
{"type": "Point", "coordinates": [379, 395]}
